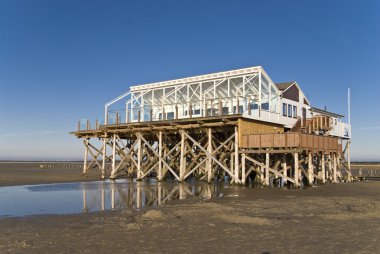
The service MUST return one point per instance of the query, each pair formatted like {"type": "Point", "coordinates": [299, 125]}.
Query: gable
{"type": "Point", "coordinates": [292, 93]}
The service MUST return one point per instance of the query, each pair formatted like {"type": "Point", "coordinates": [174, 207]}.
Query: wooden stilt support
{"type": "Point", "coordinates": [139, 157]}
{"type": "Point", "coordinates": [113, 155]}
{"type": "Point", "coordinates": [159, 173]}
{"type": "Point", "coordinates": [284, 167]}
{"type": "Point", "coordinates": [104, 158]}
{"type": "Point", "coordinates": [296, 170]}
{"type": "Point", "coordinates": [243, 176]}
{"type": "Point", "coordinates": [323, 168]}
{"type": "Point", "coordinates": [310, 169]}
{"type": "Point", "coordinates": [267, 160]}
{"type": "Point", "coordinates": [236, 154]}
{"type": "Point", "coordinates": [209, 160]}
{"type": "Point", "coordinates": [182, 158]}
{"type": "Point", "coordinates": [349, 174]}
{"type": "Point", "coordinates": [330, 168]}
{"type": "Point", "coordinates": [334, 168]}
{"type": "Point", "coordinates": [85, 156]}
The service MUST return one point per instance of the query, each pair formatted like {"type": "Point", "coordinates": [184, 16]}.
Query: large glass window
{"type": "Point", "coordinates": [284, 109]}
{"type": "Point", "coordinates": [295, 111]}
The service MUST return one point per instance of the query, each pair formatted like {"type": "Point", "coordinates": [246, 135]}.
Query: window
{"type": "Point", "coordinates": [284, 109]}
{"type": "Point", "coordinates": [295, 111]}
{"type": "Point", "coordinates": [225, 110]}
{"type": "Point", "coordinates": [290, 110]}
{"type": "Point", "coordinates": [240, 110]}
{"type": "Point", "coordinates": [254, 106]}
{"type": "Point", "coordinates": [265, 106]}
{"type": "Point", "coordinates": [170, 115]}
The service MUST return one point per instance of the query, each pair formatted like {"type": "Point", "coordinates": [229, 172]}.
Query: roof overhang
{"type": "Point", "coordinates": [321, 111]}
{"type": "Point", "coordinates": [200, 78]}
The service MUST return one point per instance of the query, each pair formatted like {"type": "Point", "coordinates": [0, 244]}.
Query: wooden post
{"type": "Point", "coordinates": [330, 167]}
{"type": "Point", "coordinates": [96, 124]}
{"type": "Point", "coordinates": [284, 166]}
{"type": "Point", "coordinates": [190, 110]}
{"type": "Point", "coordinates": [243, 176]}
{"type": "Point", "coordinates": [78, 125]}
{"type": "Point", "coordinates": [349, 175]}
{"type": "Point", "coordinates": [296, 170]}
{"type": "Point", "coordinates": [236, 154]}
{"type": "Point", "coordinates": [151, 114]}
{"type": "Point", "coordinates": [249, 108]}
{"type": "Point", "coordinates": [139, 153]}
{"type": "Point", "coordinates": [209, 160]}
{"type": "Point", "coordinates": [206, 112]}
{"type": "Point", "coordinates": [85, 156]}
{"type": "Point", "coordinates": [113, 155]}
{"type": "Point", "coordinates": [220, 108]}
{"type": "Point", "coordinates": [310, 169]}
{"type": "Point", "coordinates": [267, 158]}
{"type": "Point", "coordinates": [159, 173]}
{"type": "Point", "coordinates": [334, 168]}
{"type": "Point", "coordinates": [117, 118]}
{"type": "Point", "coordinates": [104, 157]}
{"type": "Point", "coordinates": [139, 116]}
{"type": "Point", "coordinates": [182, 158]}
{"type": "Point", "coordinates": [176, 111]}
{"type": "Point", "coordinates": [323, 168]}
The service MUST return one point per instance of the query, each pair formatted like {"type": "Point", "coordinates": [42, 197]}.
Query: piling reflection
{"type": "Point", "coordinates": [137, 195]}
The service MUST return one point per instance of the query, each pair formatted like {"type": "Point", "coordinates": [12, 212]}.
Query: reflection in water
{"type": "Point", "coordinates": [68, 198]}
{"type": "Point", "coordinates": [136, 195]}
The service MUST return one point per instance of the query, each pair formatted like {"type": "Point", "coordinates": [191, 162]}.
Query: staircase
{"type": "Point", "coordinates": [318, 124]}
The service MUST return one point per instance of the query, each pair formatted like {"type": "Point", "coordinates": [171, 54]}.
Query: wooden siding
{"type": "Point", "coordinates": [291, 141]}
{"type": "Point", "coordinates": [292, 93]}
{"type": "Point", "coordinates": [248, 127]}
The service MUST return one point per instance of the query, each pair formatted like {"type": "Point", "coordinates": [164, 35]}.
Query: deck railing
{"type": "Point", "coordinates": [291, 140]}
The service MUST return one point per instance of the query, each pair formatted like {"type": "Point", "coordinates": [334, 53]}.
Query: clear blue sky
{"type": "Point", "coordinates": [62, 60]}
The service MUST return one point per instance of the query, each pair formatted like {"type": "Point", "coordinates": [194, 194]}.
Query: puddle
{"type": "Point", "coordinates": [82, 197]}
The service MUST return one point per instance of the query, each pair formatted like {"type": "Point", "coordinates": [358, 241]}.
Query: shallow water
{"type": "Point", "coordinates": [68, 198]}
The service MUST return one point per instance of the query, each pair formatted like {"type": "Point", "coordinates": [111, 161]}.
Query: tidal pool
{"type": "Point", "coordinates": [81, 197]}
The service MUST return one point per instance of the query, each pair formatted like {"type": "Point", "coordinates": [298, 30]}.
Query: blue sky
{"type": "Point", "coordinates": [62, 60]}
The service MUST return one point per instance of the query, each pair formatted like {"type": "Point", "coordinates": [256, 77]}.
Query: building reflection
{"type": "Point", "coordinates": [103, 196]}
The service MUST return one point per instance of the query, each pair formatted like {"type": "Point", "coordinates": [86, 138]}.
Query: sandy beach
{"type": "Point", "coordinates": [335, 218]}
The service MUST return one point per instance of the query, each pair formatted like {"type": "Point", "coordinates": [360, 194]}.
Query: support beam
{"type": "Point", "coordinates": [113, 155]}
{"type": "Point", "coordinates": [349, 174]}
{"type": "Point", "coordinates": [296, 170]}
{"type": "Point", "coordinates": [284, 167]}
{"type": "Point", "coordinates": [310, 169]}
{"type": "Point", "coordinates": [85, 156]}
{"type": "Point", "coordinates": [159, 173]}
{"type": "Point", "coordinates": [104, 158]}
{"type": "Point", "coordinates": [323, 168]}
{"type": "Point", "coordinates": [243, 175]}
{"type": "Point", "coordinates": [267, 160]}
{"type": "Point", "coordinates": [334, 168]}
{"type": "Point", "coordinates": [209, 160]}
{"type": "Point", "coordinates": [182, 162]}
{"type": "Point", "coordinates": [236, 148]}
{"type": "Point", "coordinates": [139, 155]}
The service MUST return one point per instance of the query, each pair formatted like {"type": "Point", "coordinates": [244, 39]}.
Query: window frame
{"type": "Point", "coordinates": [290, 111]}
{"type": "Point", "coordinates": [284, 109]}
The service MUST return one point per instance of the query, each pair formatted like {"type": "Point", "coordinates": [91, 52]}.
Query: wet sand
{"type": "Point", "coordinates": [335, 218]}
{"type": "Point", "coordinates": [22, 173]}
